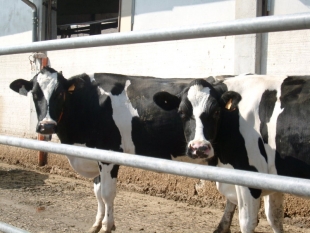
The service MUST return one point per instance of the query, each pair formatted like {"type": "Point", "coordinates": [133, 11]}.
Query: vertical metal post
{"type": "Point", "coordinates": [34, 20]}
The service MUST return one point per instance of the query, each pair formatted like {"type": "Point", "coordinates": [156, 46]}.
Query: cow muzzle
{"type": "Point", "coordinates": [200, 150]}
{"type": "Point", "coordinates": [46, 127]}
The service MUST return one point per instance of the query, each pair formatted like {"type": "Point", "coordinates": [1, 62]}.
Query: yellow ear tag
{"type": "Point", "coordinates": [71, 88]}
{"type": "Point", "coordinates": [228, 105]}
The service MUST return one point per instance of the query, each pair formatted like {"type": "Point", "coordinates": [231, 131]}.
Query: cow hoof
{"type": "Point", "coordinates": [105, 231]}
{"type": "Point", "coordinates": [94, 229]}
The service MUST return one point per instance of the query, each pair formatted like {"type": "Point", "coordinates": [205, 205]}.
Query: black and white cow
{"type": "Point", "coordinates": [105, 111]}
{"type": "Point", "coordinates": [255, 123]}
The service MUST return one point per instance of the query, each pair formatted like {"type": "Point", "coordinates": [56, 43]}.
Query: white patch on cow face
{"type": "Point", "coordinates": [47, 83]}
{"type": "Point", "coordinates": [123, 112]}
{"type": "Point", "coordinates": [198, 97]}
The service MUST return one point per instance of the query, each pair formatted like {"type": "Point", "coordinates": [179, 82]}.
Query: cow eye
{"type": "Point", "coordinates": [216, 114]}
{"type": "Point", "coordinates": [34, 96]}
{"type": "Point", "coordinates": [182, 114]}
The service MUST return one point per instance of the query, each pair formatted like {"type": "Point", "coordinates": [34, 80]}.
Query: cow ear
{"type": "Point", "coordinates": [230, 100]}
{"type": "Point", "coordinates": [166, 100]}
{"type": "Point", "coordinates": [21, 86]}
{"type": "Point", "coordinates": [69, 84]}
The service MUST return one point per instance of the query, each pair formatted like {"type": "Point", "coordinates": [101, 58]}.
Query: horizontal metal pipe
{"type": "Point", "coordinates": [6, 228]}
{"type": "Point", "coordinates": [226, 28]}
{"type": "Point", "coordinates": [290, 185]}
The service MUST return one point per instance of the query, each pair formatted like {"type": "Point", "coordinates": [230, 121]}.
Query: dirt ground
{"type": "Point", "coordinates": [38, 201]}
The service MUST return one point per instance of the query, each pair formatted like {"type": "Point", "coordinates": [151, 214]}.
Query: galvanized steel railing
{"type": "Point", "coordinates": [6, 228]}
{"type": "Point", "coordinates": [290, 185]}
{"type": "Point", "coordinates": [225, 28]}
{"type": "Point", "coordinates": [251, 179]}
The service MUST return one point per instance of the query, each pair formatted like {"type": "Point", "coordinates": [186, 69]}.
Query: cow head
{"type": "Point", "coordinates": [199, 106]}
{"type": "Point", "coordinates": [48, 89]}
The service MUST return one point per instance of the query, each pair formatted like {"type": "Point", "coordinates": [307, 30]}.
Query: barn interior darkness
{"type": "Point", "coordinates": [86, 17]}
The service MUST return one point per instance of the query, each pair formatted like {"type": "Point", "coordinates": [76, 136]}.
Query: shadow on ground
{"type": "Point", "coordinates": [16, 179]}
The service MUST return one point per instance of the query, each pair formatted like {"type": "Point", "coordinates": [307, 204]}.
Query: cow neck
{"type": "Point", "coordinates": [226, 133]}
{"type": "Point", "coordinates": [62, 109]}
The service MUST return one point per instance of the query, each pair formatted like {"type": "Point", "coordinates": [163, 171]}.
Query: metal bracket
{"type": "Point", "coordinates": [39, 55]}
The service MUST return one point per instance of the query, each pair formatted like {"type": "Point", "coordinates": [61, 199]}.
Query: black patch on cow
{"type": "Point", "coordinates": [100, 167]}
{"type": "Point", "coordinates": [118, 88]}
{"type": "Point", "coordinates": [114, 170]}
{"type": "Point", "coordinates": [229, 144]}
{"type": "Point", "coordinates": [185, 109]}
{"type": "Point", "coordinates": [166, 101]}
{"type": "Point", "coordinates": [154, 126]}
{"type": "Point", "coordinates": [262, 149]}
{"type": "Point", "coordinates": [290, 166]}
{"type": "Point", "coordinates": [189, 130]}
{"type": "Point", "coordinates": [97, 180]}
{"type": "Point", "coordinates": [256, 193]}
{"type": "Point", "coordinates": [87, 117]}
{"type": "Point", "coordinates": [293, 128]}
{"type": "Point", "coordinates": [40, 102]}
{"type": "Point", "coordinates": [265, 110]}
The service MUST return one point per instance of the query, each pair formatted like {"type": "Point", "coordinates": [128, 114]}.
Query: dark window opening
{"type": "Point", "coordinates": [265, 7]}
{"type": "Point", "coordinates": [87, 17]}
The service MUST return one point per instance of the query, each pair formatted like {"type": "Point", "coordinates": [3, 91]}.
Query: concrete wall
{"type": "Point", "coordinates": [15, 17]}
{"type": "Point", "coordinates": [287, 52]}
{"type": "Point", "coordinates": [14, 67]}
{"type": "Point", "coordinates": [16, 20]}
{"type": "Point", "coordinates": [153, 15]}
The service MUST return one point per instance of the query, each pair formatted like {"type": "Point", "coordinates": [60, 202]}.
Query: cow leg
{"type": "Point", "coordinates": [100, 210]}
{"type": "Point", "coordinates": [224, 225]}
{"type": "Point", "coordinates": [248, 209]}
{"type": "Point", "coordinates": [108, 176]}
{"type": "Point", "coordinates": [274, 211]}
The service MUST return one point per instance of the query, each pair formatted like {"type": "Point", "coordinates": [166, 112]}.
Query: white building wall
{"type": "Point", "coordinates": [150, 14]}
{"type": "Point", "coordinates": [287, 52]}
{"type": "Point", "coordinates": [17, 15]}
{"type": "Point", "coordinates": [188, 58]}
{"type": "Point", "coordinates": [16, 28]}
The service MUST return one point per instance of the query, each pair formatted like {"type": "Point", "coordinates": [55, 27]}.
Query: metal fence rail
{"type": "Point", "coordinates": [290, 185]}
{"type": "Point", "coordinates": [6, 228]}
{"type": "Point", "coordinates": [226, 28]}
